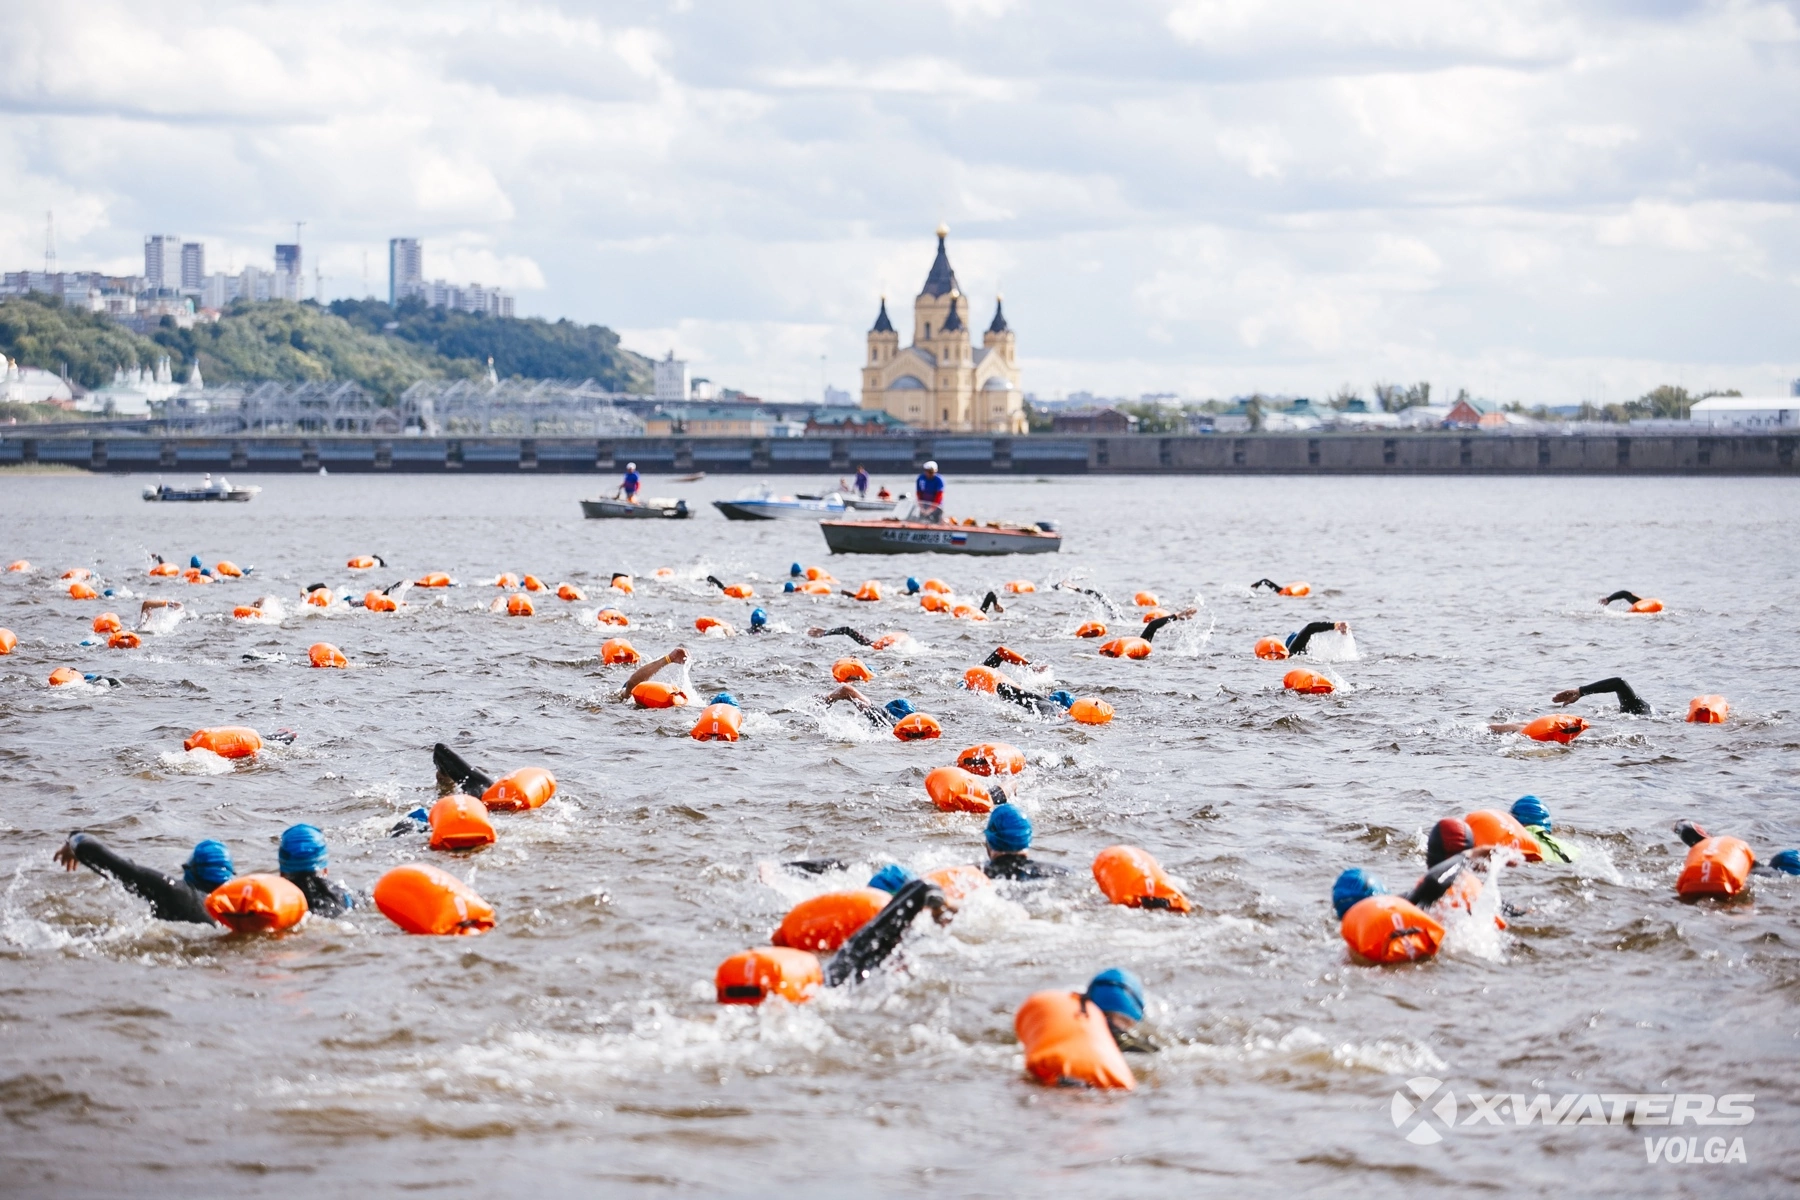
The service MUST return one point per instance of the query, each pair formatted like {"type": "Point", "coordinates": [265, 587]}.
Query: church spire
{"type": "Point", "coordinates": [942, 280]}
{"type": "Point", "coordinates": [952, 322]}
{"type": "Point", "coordinates": [882, 324]}
{"type": "Point", "coordinates": [998, 324]}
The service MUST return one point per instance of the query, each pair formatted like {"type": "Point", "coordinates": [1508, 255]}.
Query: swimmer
{"type": "Point", "coordinates": [1054, 705]}
{"type": "Point", "coordinates": [759, 621]}
{"type": "Point", "coordinates": [1008, 838]}
{"type": "Point", "coordinates": [1629, 701]}
{"type": "Point", "coordinates": [991, 601]}
{"type": "Point", "coordinates": [302, 858]}
{"type": "Point", "coordinates": [1151, 628]}
{"type": "Point", "coordinates": [857, 636]}
{"type": "Point", "coordinates": [1046, 1021]}
{"type": "Point", "coordinates": [871, 945]}
{"type": "Point", "coordinates": [456, 775]}
{"type": "Point", "coordinates": [676, 657]}
{"type": "Point", "coordinates": [1268, 583]}
{"type": "Point", "coordinates": [1782, 862]}
{"type": "Point", "coordinates": [207, 868]}
{"type": "Point", "coordinates": [882, 716]}
{"type": "Point", "coordinates": [1297, 641]}
{"type": "Point", "coordinates": [1530, 812]}
{"type": "Point", "coordinates": [161, 612]}
{"type": "Point", "coordinates": [1622, 594]}
{"type": "Point", "coordinates": [1111, 608]}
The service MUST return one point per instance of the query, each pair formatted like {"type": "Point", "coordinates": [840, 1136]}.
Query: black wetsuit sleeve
{"type": "Point", "coordinates": [991, 601]}
{"type": "Point", "coordinates": [1025, 699]}
{"type": "Point", "coordinates": [872, 944]}
{"type": "Point", "coordinates": [1305, 635]}
{"type": "Point", "coordinates": [323, 897]}
{"type": "Point", "coordinates": [1624, 595]}
{"type": "Point", "coordinates": [453, 767]}
{"type": "Point", "coordinates": [1629, 701]}
{"type": "Point", "coordinates": [1438, 880]}
{"type": "Point", "coordinates": [850, 633]}
{"type": "Point", "coordinates": [170, 899]}
{"type": "Point", "coordinates": [1021, 866]}
{"type": "Point", "coordinates": [1268, 583]}
{"type": "Point", "coordinates": [1151, 629]}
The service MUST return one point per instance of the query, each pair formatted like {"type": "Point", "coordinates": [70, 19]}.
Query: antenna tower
{"type": "Point", "coordinates": [50, 242]}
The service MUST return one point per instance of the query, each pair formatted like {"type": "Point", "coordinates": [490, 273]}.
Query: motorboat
{"type": "Point", "coordinates": [654, 509]}
{"type": "Point", "coordinates": [761, 504]}
{"type": "Point", "coordinates": [926, 530]}
{"type": "Point", "coordinates": [853, 502]}
{"type": "Point", "coordinates": [208, 490]}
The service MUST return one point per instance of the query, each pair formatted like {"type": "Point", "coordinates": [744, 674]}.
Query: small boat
{"type": "Point", "coordinates": [696, 477]}
{"type": "Point", "coordinates": [761, 504]}
{"type": "Point", "coordinates": [208, 490]}
{"type": "Point", "coordinates": [860, 504]}
{"type": "Point", "coordinates": [676, 510]}
{"type": "Point", "coordinates": [928, 531]}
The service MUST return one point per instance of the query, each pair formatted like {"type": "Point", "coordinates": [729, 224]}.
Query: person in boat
{"type": "Point", "coordinates": [928, 491]}
{"type": "Point", "coordinates": [649, 670]}
{"type": "Point", "coordinates": [171, 899]}
{"type": "Point", "coordinates": [862, 481]}
{"type": "Point", "coordinates": [884, 494]}
{"type": "Point", "coordinates": [628, 487]}
{"type": "Point", "coordinates": [882, 716]}
{"type": "Point", "coordinates": [1008, 837]}
{"type": "Point", "coordinates": [302, 857]}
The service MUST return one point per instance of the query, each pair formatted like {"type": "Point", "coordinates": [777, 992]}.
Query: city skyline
{"type": "Point", "coordinates": [1536, 201]}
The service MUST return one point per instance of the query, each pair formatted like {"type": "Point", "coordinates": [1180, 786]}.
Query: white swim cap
{"type": "Point", "coordinates": [931, 466]}
{"type": "Point", "coordinates": [631, 466]}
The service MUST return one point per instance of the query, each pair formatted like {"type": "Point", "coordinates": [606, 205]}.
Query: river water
{"type": "Point", "coordinates": [577, 1048]}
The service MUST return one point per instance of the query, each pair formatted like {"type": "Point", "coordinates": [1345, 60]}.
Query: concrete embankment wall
{"type": "Point", "coordinates": [1435, 453]}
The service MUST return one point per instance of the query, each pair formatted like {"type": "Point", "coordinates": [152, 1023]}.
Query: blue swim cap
{"type": "Point", "coordinates": [1353, 885]}
{"type": "Point", "coordinates": [1116, 990]}
{"type": "Point", "coordinates": [209, 866]}
{"type": "Point", "coordinates": [1529, 810]}
{"type": "Point", "coordinates": [1288, 641]}
{"type": "Point", "coordinates": [1008, 830]}
{"type": "Point", "coordinates": [1787, 862]}
{"type": "Point", "coordinates": [899, 709]}
{"type": "Point", "coordinates": [758, 618]}
{"type": "Point", "coordinates": [789, 586]}
{"type": "Point", "coordinates": [302, 849]}
{"type": "Point", "coordinates": [725, 698]}
{"type": "Point", "coordinates": [912, 585]}
{"type": "Point", "coordinates": [891, 878]}
{"type": "Point", "coordinates": [194, 562]}
{"type": "Point", "coordinates": [1063, 698]}
{"type": "Point", "coordinates": [796, 569]}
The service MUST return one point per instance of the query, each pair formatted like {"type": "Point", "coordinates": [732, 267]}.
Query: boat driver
{"type": "Point", "coordinates": [928, 490]}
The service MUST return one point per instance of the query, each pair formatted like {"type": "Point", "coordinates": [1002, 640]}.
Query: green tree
{"type": "Point", "coordinates": [41, 331]}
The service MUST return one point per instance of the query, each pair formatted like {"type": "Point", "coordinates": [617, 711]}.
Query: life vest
{"type": "Point", "coordinates": [845, 670]}
{"type": "Point", "coordinates": [9, 641]}
{"type": "Point", "coordinates": [739, 591]}
{"type": "Point", "coordinates": [107, 623]}
{"type": "Point", "coordinates": [614, 651]}
{"type": "Point", "coordinates": [936, 585]}
{"type": "Point", "coordinates": [1391, 929]}
{"type": "Point", "coordinates": [257, 904]}
{"type": "Point", "coordinates": [1493, 828]}
{"type": "Point", "coordinates": [1307, 683]}
{"type": "Point", "coordinates": [376, 602]}
{"type": "Point", "coordinates": [749, 976]}
{"type": "Point", "coordinates": [1297, 589]}
{"type": "Point", "coordinates": [1647, 606]}
{"type": "Point", "coordinates": [918, 727]}
{"type": "Point", "coordinates": [612, 616]}
{"type": "Point", "coordinates": [1019, 586]}
{"type": "Point", "coordinates": [1126, 647]}
{"type": "Point", "coordinates": [81, 591]}
{"type": "Point", "coordinates": [362, 562]}
{"type": "Point", "coordinates": [653, 693]}
{"type": "Point", "coordinates": [1717, 866]}
{"type": "Point", "coordinates": [1091, 629]}
{"type": "Point", "coordinates": [1557, 727]}
{"type": "Point", "coordinates": [527, 787]}
{"type": "Point", "coordinates": [718, 723]}
{"type": "Point", "coordinates": [953, 789]}
{"type": "Point", "coordinates": [569, 592]}
{"type": "Point", "coordinates": [934, 602]}
{"type": "Point", "coordinates": [324, 654]}
{"type": "Point", "coordinates": [432, 579]}
{"type": "Point", "coordinates": [422, 899]}
{"type": "Point", "coordinates": [870, 590]}
{"type": "Point", "coordinates": [823, 923]}
{"type": "Point", "coordinates": [982, 679]}
{"type": "Point", "coordinates": [460, 822]}
{"type": "Point", "coordinates": [1145, 600]}
{"type": "Point", "coordinates": [1067, 1041]}
{"type": "Point", "coordinates": [532, 583]}
{"type": "Point", "coordinates": [124, 639]}
{"type": "Point", "coordinates": [64, 675]}
{"type": "Point", "coordinates": [1090, 710]}
{"type": "Point", "coordinates": [992, 758]}
{"type": "Point", "coordinates": [1271, 648]}
{"type": "Point", "coordinates": [229, 569]}
{"type": "Point", "coordinates": [227, 741]}
{"type": "Point", "coordinates": [1708, 710]}
{"type": "Point", "coordinates": [958, 882]}
{"type": "Point", "coordinates": [1131, 877]}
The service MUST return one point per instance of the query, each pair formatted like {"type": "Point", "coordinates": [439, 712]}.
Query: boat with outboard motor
{"type": "Point", "coordinates": [653, 509]}
{"type": "Point", "coordinates": [208, 490]}
{"type": "Point", "coordinates": [925, 530]}
{"type": "Point", "coordinates": [762, 504]}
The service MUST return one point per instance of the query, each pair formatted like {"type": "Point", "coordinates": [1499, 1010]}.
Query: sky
{"type": "Point", "coordinates": [1543, 202]}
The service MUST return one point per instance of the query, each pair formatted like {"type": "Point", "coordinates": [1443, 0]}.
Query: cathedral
{"type": "Point", "coordinates": [942, 381]}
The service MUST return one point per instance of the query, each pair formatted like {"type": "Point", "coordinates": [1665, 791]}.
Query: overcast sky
{"type": "Point", "coordinates": [1537, 201]}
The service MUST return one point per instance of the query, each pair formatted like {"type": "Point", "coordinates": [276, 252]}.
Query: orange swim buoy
{"type": "Point", "coordinates": [568, 591]}
{"type": "Point", "coordinates": [612, 616]}
{"type": "Point", "coordinates": [63, 675]}
{"type": "Point", "coordinates": [257, 904]}
{"type": "Point", "coordinates": [870, 590]}
{"type": "Point", "coordinates": [751, 976]}
{"type": "Point", "coordinates": [1090, 710]}
{"type": "Point", "coordinates": [360, 562]}
{"type": "Point", "coordinates": [195, 575]}
{"type": "Point", "coordinates": [247, 612]}
{"type": "Point", "coordinates": [614, 651]}
{"type": "Point", "coordinates": [622, 583]}
{"type": "Point", "coordinates": [107, 623]}
{"type": "Point", "coordinates": [1019, 587]}
{"type": "Point", "coordinates": [718, 723]}
{"type": "Point", "coordinates": [992, 758]}
{"type": "Point", "coordinates": [739, 591]}
{"type": "Point", "coordinates": [320, 597]}
{"type": "Point", "coordinates": [1068, 1041]}
{"type": "Point", "coordinates": [324, 654]}
{"type": "Point", "coordinates": [953, 789]}
{"type": "Point", "coordinates": [814, 574]}
{"type": "Point", "coordinates": [982, 679]}
{"type": "Point", "coordinates": [1708, 710]}
{"type": "Point", "coordinates": [1307, 683]}
{"type": "Point", "coordinates": [705, 624]}
{"type": "Point", "coordinates": [934, 602]}
{"type": "Point", "coordinates": [1493, 828]}
{"type": "Point", "coordinates": [519, 605]}
{"type": "Point", "coordinates": [164, 570]}
{"type": "Point", "coordinates": [814, 588]}
{"type": "Point", "coordinates": [532, 583]}
{"type": "Point", "coordinates": [9, 641]}
{"type": "Point", "coordinates": [506, 580]}
{"type": "Point", "coordinates": [81, 591]}
{"type": "Point", "coordinates": [123, 639]}
{"type": "Point", "coordinates": [937, 586]}
{"type": "Point", "coordinates": [1126, 647]}
{"type": "Point", "coordinates": [1716, 866]}
{"type": "Point", "coordinates": [918, 727]}
{"type": "Point", "coordinates": [1557, 727]}
{"type": "Point", "coordinates": [966, 612]}
{"type": "Point", "coordinates": [76, 573]}
{"type": "Point", "coordinates": [1133, 878]}
{"type": "Point", "coordinates": [1145, 600]}
{"type": "Point", "coordinates": [18, 564]}
{"type": "Point", "coordinates": [516, 791]}
{"type": "Point", "coordinates": [1391, 929]}
{"type": "Point", "coordinates": [848, 670]}
{"type": "Point", "coordinates": [425, 900]}
{"type": "Point", "coordinates": [958, 882]}
{"type": "Point", "coordinates": [823, 923]}
{"type": "Point", "coordinates": [1011, 656]}
{"type": "Point", "coordinates": [376, 602]}
{"type": "Point", "coordinates": [1091, 629]}
{"type": "Point", "coordinates": [226, 741]}
{"type": "Point", "coordinates": [654, 693]}
{"type": "Point", "coordinates": [664, 572]}
{"type": "Point", "coordinates": [228, 569]}
{"type": "Point", "coordinates": [1272, 649]}
{"type": "Point", "coordinates": [1153, 614]}
{"type": "Point", "coordinates": [432, 579]}
{"type": "Point", "coordinates": [1296, 589]}
{"type": "Point", "coordinates": [886, 640]}
{"type": "Point", "coordinates": [1647, 606]}
{"type": "Point", "coordinates": [460, 822]}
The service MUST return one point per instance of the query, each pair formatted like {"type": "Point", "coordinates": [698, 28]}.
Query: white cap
{"type": "Point", "coordinates": [631, 466]}
{"type": "Point", "coordinates": [931, 466]}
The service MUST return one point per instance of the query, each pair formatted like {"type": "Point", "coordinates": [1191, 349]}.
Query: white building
{"type": "Point", "coordinates": [253, 283]}
{"type": "Point", "coordinates": [1748, 412]}
{"type": "Point", "coordinates": [162, 262]}
{"type": "Point", "coordinates": [672, 380]}
{"type": "Point", "coordinates": [131, 393]}
{"type": "Point", "coordinates": [30, 385]}
{"type": "Point", "coordinates": [406, 269]}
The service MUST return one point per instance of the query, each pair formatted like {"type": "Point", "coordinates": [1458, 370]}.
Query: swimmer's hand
{"type": "Point", "coordinates": [816, 631]}
{"type": "Point", "coordinates": [65, 853]}
{"type": "Point", "coordinates": [1342, 627]}
{"type": "Point", "coordinates": [678, 655]}
{"type": "Point", "coordinates": [1566, 696]}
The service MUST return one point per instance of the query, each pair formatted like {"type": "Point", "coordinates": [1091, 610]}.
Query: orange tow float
{"type": "Point", "coordinates": [9, 641]}
{"type": "Point", "coordinates": [918, 727]}
{"type": "Point", "coordinates": [850, 670]}
{"type": "Point", "coordinates": [1131, 877]}
{"type": "Point", "coordinates": [718, 723]}
{"type": "Point", "coordinates": [516, 791]}
{"type": "Point", "coordinates": [870, 590]}
{"type": "Point", "coordinates": [257, 904]}
{"type": "Point", "coordinates": [226, 741]}
{"type": "Point", "coordinates": [1271, 649]}
{"type": "Point", "coordinates": [614, 651]}
{"type": "Point", "coordinates": [992, 758]}
{"type": "Point", "coordinates": [751, 976]}
{"type": "Point", "coordinates": [1126, 647]}
{"type": "Point", "coordinates": [1091, 629]}
{"type": "Point", "coordinates": [1716, 866]}
{"type": "Point", "coordinates": [1708, 710]}
{"type": "Point", "coordinates": [1494, 828]}
{"type": "Point", "coordinates": [653, 693]}
{"type": "Point", "coordinates": [1090, 710]}
{"type": "Point", "coordinates": [422, 899]}
{"type": "Point", "coordinates": [519, 605]}
{"type": "Point", "coordinates": [1307, 683]}
{"type": "Point", "coordinates": [612, 616]}
{"type": "Point", "coordinates": [1391, 929]}
{"type": "Point", "coordinates": [1067, 1040]}
{"type": "Point", "coordinates": [823, 923]}
{"type": "Point", "coordinates": [953, 789]}
{"type": "Point", "coordinates": [324, 654]}
{"type": "Point", "coordinates": [460, 822]}
{"type": "Point", "coordinates": [1557, 727]}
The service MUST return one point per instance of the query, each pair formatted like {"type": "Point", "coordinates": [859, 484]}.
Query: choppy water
{"type": "Point", "coordinates": [577, 1048]}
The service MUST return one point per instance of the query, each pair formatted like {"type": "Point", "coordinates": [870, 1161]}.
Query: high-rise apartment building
{"type": "Point", "coordinates": [406, 269]}
{"type": "Point", "coordinates": [671, 378]}
{"type": "Point", "coordinates": [193, 266]}
{"type": "Point", "coordinates": [290, 274]}
{"type": "Point", "coordinates": [162, 261]}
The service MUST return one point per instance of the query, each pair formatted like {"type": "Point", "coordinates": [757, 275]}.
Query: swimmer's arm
{"type": "Point", "coordinates": [1621, 594]}
{"type": "Point", "coordinates": [170, 899]}
{"type": "Point", "coordinates": [1437, 881]}
{"type": "Point", "coordinates": [848, 632]}
{"type": "Point", "coordinates": [649, 669]}
{"type": "Point", "coordinates": [457, 770]}
{"type": "Point", "coordinates": [1298, 645]}
{"type": "Point", "coordinates": [1151, 630]}
{"type": "Point", "coordinates": [1629, 701]}
{"type": "Point", "coordinates": [872, 944]}
{"type": "Point", "coordinates": [845, 691]}
{"type": "Point", "coordinates": [1268, 583]}
{"type": "Point", "coordinates": [991, 600]}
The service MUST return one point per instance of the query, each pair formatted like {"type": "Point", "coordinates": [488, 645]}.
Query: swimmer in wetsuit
{"type": "Point", "coordinates": [1009, 842]}
{"type": "Point", "coordinates": [154, 610]}
{"type": "Point", "coordinates": [1111, 608]}
{"type": "Point", "coordinates": [1152, 628]}
{"type": "Point", "coordinates": [870, 946]}
{"type": "Point", "coordinates": [1622, 594]}
{"type": "Point", "coordinates": [207, 868]}
{"type": "Point", "coordinates": [1120, 995]}
{"type": "Point", "coordinates": [759, 620]}
{"type": "Point", "coordinates": [675, 657]}
{"type": "Point", "coordinates": [1782, 862]}
{"type": "Point", "coordinates": [991, 601]}
{"type": "Point", "coordinates": [302, 858]}
{"type": "Point", "coordinates": [1629, 701]}
{"type": "Point", "coordinates": [855, 635]}
{"type": "Point", "coordinates": [1530, 812]}
{"type": "Point", "coordinates": [1297, 641]}
{"type": "Point", "coordinates": [882, 716]}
